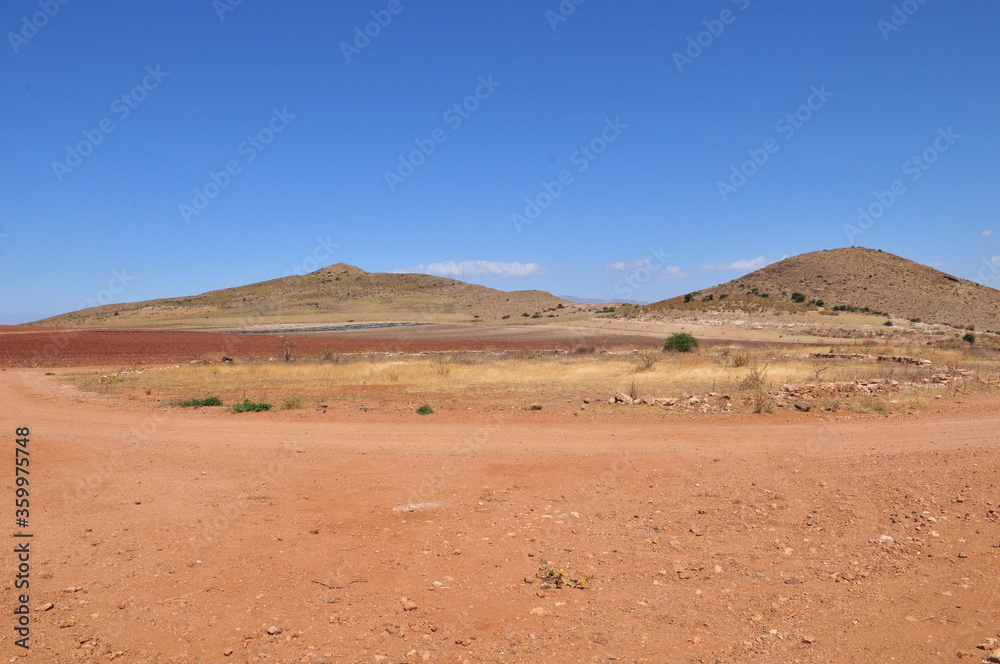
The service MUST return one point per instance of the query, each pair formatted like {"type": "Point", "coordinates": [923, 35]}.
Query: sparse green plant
{"type": "Point", "coordinates": [888, 323]}
{"type": "Point", "coordinates": [680, 342]}
{"type": "Point", "coordinates": [199, 403]}
{"type": "Point", "coordinates": [49, 373]}
{"type": "Point", "coordinates": [249, 406]}
{"type": "Point", "coordinates": [798, 297]}
{"type": "Point", "coordinates": [425, 410]}
{"type": "Point", "coordinates": [969, 337]}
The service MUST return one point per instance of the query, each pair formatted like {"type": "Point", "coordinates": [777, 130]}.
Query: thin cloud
{"type": "Point", "coordinates": [987, 233]}
{"type": "Point", "coordinates": [750, 264]}
{"type": "Point", "coordinates": [673, 272]}
{"type": "Point", "coordinates": [995, 260]}
{"type": "Point", "coordinates": [620, 266]}
{"type": "Point", "coordinates": [479, 269]}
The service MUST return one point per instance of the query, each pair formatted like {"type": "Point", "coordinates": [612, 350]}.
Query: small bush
{"type": "Point", "coordinates": [914, 320]}
{"type": "Point", "coordinates": [646, 360]}
{"type": "Point", "coordinates": [49, 373]}
{"type": "Point", "coordinates": [291, 402]}
{"type": "Point", "coordinates": [970, 337]}
{"type": "Point", "coordinates": [425, 410]}
{"type": "Point", "coordinates": [681, 342]}
{"type": "Point", "coordinates": [198, 403]}
{"type": "Point", "coordinates": [755, 379]}
{"type": "Point", "coordinates": [763, 404]}
{"type": "Point", "coordinates": [798, 297]}
{"type": "Point", "coordinates": [888, 323]}
{"type": "Point", "coordinates": [741, 359]}
{"type": "Point", "coordinates": [248, 406]}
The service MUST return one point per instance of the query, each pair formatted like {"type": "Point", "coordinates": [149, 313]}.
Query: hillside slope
{"type": "Point", "coordinates": [855, 277]}
{"type": "Point", "coordinates": [333, 294]}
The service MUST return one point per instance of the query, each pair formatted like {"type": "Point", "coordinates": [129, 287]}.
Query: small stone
{"type": "Point", "coordinates": [809, 639]}
{"type": "Point", "coordinates": [696, 530]}
{"type": "Point", "coordinates": [272, 630]}
{"type": "Point", "coordinates": [792, 581]}
{"type": "Point", "coordinates": [886, 539]}
{"type": "Point", "coordinates": [994, 656]}
{"type": "Point", "coordinates": [803, 406]}
{"type": "Point", "coordinates": [408, 605]}
{"type": "Point", "coordinates": [529, 579]}
{"type": "Point", "coordinates": [334, 617]}
{"type": "Point", "coordinates": [962, 555]}
{"type": "Point", "coordinates": [227, 652]}
{"type": "Point", "coordinates": [46, 607]}
{"type": "Point", "coordinates": [538, 611]}
{"type": "Point", "coordinates": [675, 544]}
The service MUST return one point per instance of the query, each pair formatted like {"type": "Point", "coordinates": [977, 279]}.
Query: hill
{"type": "Point", "coordinates": [855, 278]}
{"type": "Point", "coordinates": [334, 294]}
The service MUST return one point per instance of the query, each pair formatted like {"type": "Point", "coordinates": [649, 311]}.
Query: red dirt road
{"type": "Point", "coordinates": [163, 535]}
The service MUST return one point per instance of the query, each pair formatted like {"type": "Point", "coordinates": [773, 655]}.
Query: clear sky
{"type": "Point", "coordinates": [589, 148]}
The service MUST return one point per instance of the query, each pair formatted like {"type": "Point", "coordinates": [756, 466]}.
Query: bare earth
{"type": "Point", "coordinates": [164, 535]}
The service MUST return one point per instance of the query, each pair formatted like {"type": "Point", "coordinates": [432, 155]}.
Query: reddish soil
{"type": "Point", "coordinates": [48, 347]}
{"type": "Point", "coordinates": [67, 347]}
{"type": "Point", "coordinates": [163, 535]}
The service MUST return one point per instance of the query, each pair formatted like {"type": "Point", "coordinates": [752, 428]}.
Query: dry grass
{"type": "Point", "coordinates": [543, 375]}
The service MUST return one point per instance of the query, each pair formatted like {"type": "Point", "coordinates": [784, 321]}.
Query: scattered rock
{"type": "Point", "coordinates": [408, 604]}
{"type": "Point", "coordinates": [886, 539]}
{"type": "Point", "coordinates": [994, 656]}
{"type": "Point", "coordinates": [535, 406]}
{"type": "Point", "coordinates": [273, 631]}
{"type": "Point", "coordinates": [803, 406]}
{"type": "Point", "coordinates": [529, 579]}
{"type": "Point", "coordinates": [809, 639]}
{"type": "Point", "coordinates": [227, 652]}
{"type": "Point", "coordinates": [792, 581]}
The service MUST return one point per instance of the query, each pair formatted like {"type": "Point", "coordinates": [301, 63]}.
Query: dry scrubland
{"type": "Point", "coordinates": [563, 380]}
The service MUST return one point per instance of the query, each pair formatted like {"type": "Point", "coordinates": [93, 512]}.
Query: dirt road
{"type": "Point", "coordinates": [163, 535]}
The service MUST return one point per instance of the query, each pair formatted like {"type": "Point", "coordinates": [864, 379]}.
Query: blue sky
{"type": "Point", "coordinates": [596, 149]}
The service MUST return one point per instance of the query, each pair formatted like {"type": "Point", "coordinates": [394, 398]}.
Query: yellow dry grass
{"type": "Point", "coordinates": [536, 376]}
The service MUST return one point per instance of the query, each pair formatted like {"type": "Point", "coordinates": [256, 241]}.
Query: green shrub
{"type": "Point", "coordinates": [970, 337]}
{"type": "Point", "coordinates": [198, 403]}
{"type": "Point", "coordinates": [425, 410]}
{"type": "Point", "coordinates": [888, 323]}
{"type": "Point", "coordinates": [681, 342]}
{"type": "Point", "coordinates": [798, 297]}
{"type": "Point", "coordinates": [248, 406]}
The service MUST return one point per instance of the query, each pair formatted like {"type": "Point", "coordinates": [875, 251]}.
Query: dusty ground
{"type": "Point", "coordinates": [166, 535]}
